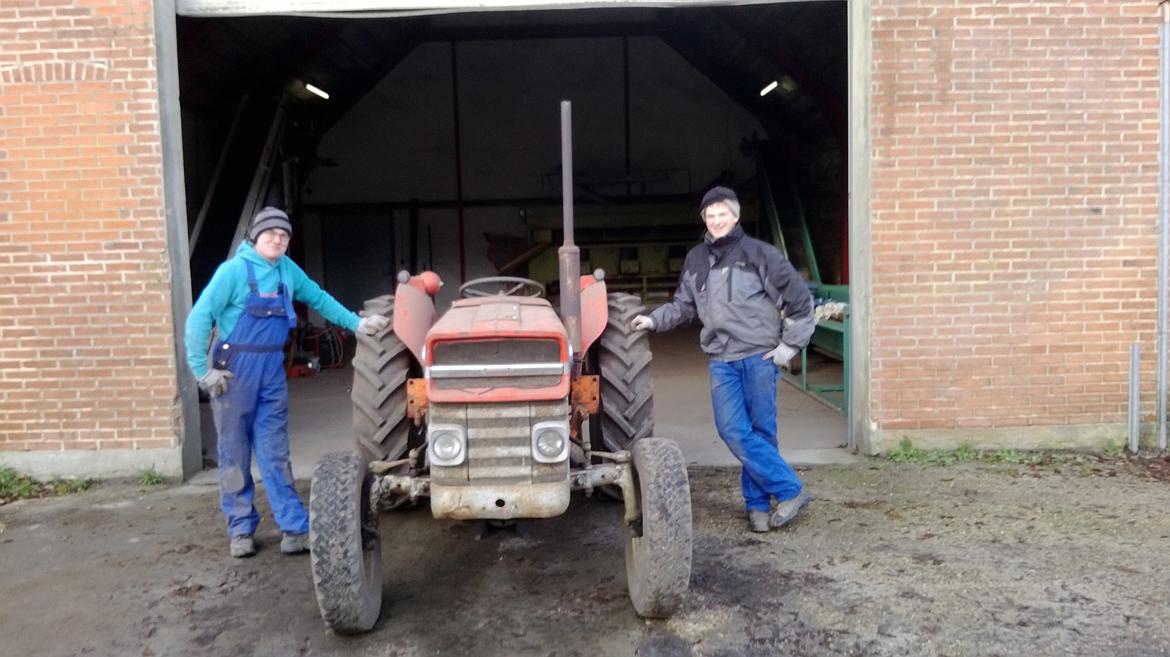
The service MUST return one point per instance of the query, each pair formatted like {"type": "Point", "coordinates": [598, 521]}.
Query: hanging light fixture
{"type": "Point", "coordinates": [314, 89]}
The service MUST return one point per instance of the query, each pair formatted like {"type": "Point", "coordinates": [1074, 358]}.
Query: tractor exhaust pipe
{"type": "Point", "coordinates": [569, 255]}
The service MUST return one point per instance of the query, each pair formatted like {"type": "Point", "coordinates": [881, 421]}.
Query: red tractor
{"type": "Point", "coordinates": [483, 410]}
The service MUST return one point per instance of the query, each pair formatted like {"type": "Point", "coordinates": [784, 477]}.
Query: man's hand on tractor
{"type": "Point", "coordinates": [782, 354]}
{"type": "Point", "coordinates": [215, 382]}
{"type": "Point", "coordinates": [373, 324]}
{"type": "Point", "coordinates": [642, 323]}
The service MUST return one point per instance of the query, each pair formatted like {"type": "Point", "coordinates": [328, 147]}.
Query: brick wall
{"type": "Point", "coordinates": [86, 347]}
{"type": "Point", "coordinates": [1014, 198]}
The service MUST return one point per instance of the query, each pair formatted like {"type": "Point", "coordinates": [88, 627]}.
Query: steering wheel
{"type": "Point", "coordinates": [501, 285]}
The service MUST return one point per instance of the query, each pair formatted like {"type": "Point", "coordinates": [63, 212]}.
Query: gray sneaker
{"type": "Point", "coordinates": [787, 510]}
{"type": "Point", "coordinates": [243, 546]}
{"type": "Point", "coordinates": [758, 520]}
{"type": "Point", "coordinates": [294, 543]}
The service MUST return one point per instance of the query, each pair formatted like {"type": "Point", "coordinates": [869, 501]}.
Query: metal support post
{"type": "Point", "coordinates": [1135, 396]}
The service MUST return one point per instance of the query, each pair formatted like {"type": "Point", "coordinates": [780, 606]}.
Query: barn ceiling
{"type": "Point", "coordinates": [740, 49]}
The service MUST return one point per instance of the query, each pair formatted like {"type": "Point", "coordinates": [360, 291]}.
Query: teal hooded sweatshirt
{"type": "Point", "coordinates": [222, 301]}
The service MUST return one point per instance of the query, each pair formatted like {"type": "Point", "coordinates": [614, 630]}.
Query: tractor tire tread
{"type": "Point", "coordinates": [348, 587]}
{"type": "Point", "coordinates": [381, 367]}
{"type": "Point", "coordinates": [658, 565]}
{"type": "Point", "coordinates": [627, 386]}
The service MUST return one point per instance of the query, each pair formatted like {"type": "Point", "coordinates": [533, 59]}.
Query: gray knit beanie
{"type": "Point", "coordinates": [720, 194]}
{"type": "Point", "coordinates": [267, 218]}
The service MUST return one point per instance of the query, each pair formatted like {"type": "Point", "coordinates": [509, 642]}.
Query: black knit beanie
{"type": "Point", "coordinates": [716, 195]}
{"type": "Point", "coordinates": [268, 218]}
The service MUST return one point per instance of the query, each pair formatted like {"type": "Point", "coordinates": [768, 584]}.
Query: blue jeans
{"type": "Point", "coordinates": [743, 395]}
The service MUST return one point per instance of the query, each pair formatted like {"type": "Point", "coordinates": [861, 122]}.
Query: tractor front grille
{"type": "Point", "coordinates": [499, 443]}
{"type": "Point", "coordinates": [510, 363]}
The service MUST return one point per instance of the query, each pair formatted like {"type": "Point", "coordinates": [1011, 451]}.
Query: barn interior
{"type": "Point", "coordinates": [432, 142]}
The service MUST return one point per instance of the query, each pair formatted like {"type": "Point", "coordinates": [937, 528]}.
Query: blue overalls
{"type": "Point", "coordinates": [252, 416]}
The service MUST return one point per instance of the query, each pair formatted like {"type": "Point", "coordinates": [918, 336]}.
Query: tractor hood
{"type": "Point", "coordinates": [497, 349]}
{"type": "Point", "coordinates": [497, 317]}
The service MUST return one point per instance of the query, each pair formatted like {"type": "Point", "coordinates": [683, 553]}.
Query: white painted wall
{"type": "Point", "coordinates": [399, 142]}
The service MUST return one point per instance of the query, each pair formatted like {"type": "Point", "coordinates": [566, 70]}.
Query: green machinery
{"type": "Point", "coordinates": [783, 222]}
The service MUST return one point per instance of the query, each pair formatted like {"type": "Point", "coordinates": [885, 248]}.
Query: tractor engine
{"type": "Point", "coordinates": [497, 389]}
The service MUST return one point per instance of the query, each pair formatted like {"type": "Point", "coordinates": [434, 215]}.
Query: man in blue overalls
{"type": "Point", "coordinates": [249, 300]}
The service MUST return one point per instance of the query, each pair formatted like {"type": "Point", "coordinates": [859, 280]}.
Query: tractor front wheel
{"type": "Point", "coordinates": [658, 545]}
{"type": "Point", "coordinates": [346, 551]}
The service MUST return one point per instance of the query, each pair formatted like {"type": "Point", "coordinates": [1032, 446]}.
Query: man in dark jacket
{"type": "Point", "coordinates": [757, 314]}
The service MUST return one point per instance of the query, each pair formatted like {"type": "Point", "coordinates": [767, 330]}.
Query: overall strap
{"type": "Point", "coordinates": [284, 293]}
{"type": "Point", "coordinates": [251, 277]}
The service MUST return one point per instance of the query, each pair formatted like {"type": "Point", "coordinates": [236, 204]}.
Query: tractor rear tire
{"type": "Point", "coordinates": [346, 551]}
{"type": "Point", "coordinates": [381, 366]}
{"type": "Point", "coordinates": [627, 387]}
{"type": "Point", "coordinates": [658, 546]}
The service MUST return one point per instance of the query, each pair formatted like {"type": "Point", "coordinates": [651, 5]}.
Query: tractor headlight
{"type": "Point", "coordinates": [550, 442]}
{"type": "Point", "coordinates": [447, 445]}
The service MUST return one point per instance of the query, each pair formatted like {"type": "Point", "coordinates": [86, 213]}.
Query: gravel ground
{"type": "Point", "coordinates": [1065, 558]}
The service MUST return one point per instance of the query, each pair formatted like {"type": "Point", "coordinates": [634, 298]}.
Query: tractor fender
{"type": "Point", "coordinates": [414, 314]}
{"type": "Point", "coordinates": [594, 311]}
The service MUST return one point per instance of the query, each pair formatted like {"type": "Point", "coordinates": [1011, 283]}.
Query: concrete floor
{"type": "Point", "coordinates": [810, 431]}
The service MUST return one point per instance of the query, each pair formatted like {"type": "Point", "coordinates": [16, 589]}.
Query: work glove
{"type": "Point", "coordinates": [373, 324]}
{"type": "Point", "coordinates": [215, 382]}
{"type": "Point", "coordinates": [782, 354]}
{"type": "Point", "coordinates": [642, 323]}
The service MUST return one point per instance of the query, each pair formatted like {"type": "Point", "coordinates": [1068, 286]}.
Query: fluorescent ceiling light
{"type": "Point", "coordinates": [314, 89]}
{"type": "Point", "coordinates": [768, 89]}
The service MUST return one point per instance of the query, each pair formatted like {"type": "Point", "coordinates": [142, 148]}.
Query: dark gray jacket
{"type": "Point", "coordinates": [738, 286]}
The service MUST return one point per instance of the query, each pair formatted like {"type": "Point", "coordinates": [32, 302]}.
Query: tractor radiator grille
{"type": "Point", "coordinates": [512, 363]}
{"type": "Point", "coordinates": [499, 443]}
